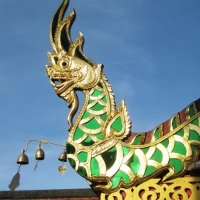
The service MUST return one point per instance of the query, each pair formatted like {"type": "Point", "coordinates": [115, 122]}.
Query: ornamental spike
{"type": "Point", "coordinates": [60, 35]}
{"type": "Point", "coordinates": [78, 43]}
{"type": "Point", "coordinates": [57, 18]}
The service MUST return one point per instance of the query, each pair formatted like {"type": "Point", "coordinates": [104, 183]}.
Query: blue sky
{"type": "Point", "coordinates": [151, 53]}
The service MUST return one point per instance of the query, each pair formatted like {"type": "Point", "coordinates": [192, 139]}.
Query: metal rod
{"type": "Point", "coordinates": [41, 141]}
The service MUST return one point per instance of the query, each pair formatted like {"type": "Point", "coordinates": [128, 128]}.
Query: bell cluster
{"type": "Point", "coordinates": [39, 155]}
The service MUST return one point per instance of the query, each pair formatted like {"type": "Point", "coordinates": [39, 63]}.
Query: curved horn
{"type": "Point", "coordinates": [60, 29]}
{"type": "Point", "coordinates": [60, 35]}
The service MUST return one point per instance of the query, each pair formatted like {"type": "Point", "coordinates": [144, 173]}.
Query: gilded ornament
{"type": "Point", "coordinates": [100, 145]}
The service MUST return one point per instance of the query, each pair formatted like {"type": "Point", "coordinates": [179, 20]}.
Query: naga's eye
{"type": "Point", "coordinates": [64, 64]}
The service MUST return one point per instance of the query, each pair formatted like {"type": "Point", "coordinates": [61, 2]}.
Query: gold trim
{"type": "Point", "coordinates": [165, 136]}
{"type": "Point", "coordinates": [165, 153]}
{"type": "Point", "coordinates": [102, 165]}
{"type": "Point", "coordinates": [143, 164]}
{"type": "Point", "coordinates": [110, 172]}
{"type": "Point", "coordinates": [127, 170]}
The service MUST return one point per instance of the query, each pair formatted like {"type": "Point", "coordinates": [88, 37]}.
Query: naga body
{"type": "Point", "coordinates": [100, 145]}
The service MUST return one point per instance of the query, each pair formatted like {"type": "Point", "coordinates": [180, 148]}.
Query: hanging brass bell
{"type": "Point", "coordinates": [39, 154]}
{"type": "Point", "coordinates": [63, 156]}
{"type": "Point", "coordinates": [22, 159]}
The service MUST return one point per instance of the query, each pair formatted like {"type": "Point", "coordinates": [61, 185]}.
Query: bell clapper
{"type": "Point", "coordinates": [63, 158]}
{"type": "Point", "coordinates": [18, 169]}
{"type": "Point", "coordinates": [35, 165]}
{"type": "Point", "coordinates": [39, 155]}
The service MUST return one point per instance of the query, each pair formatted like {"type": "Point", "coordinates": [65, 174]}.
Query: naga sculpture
{"type": "Point", "coordinates": [100, 146]}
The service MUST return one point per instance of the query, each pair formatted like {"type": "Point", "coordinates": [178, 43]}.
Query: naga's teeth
{"type": "Point", "coordinates": [52, 83]}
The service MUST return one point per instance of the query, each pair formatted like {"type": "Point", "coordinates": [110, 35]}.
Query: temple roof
{"type": "Point", "coordinates": [65, 194]}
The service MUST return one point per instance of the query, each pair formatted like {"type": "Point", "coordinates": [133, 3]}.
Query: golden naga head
{"type": "Point", "coordinates": [69, 68]}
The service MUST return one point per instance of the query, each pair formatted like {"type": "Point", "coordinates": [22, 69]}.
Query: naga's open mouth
{"type": "Point", "coordinates": [64, 88]}
{"type": "Point", "coordinates": [61, 85]}
{"type": "Point", "coordinates": [59, 80]}
{"type": "Point", "coordinates": [56, 83]}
